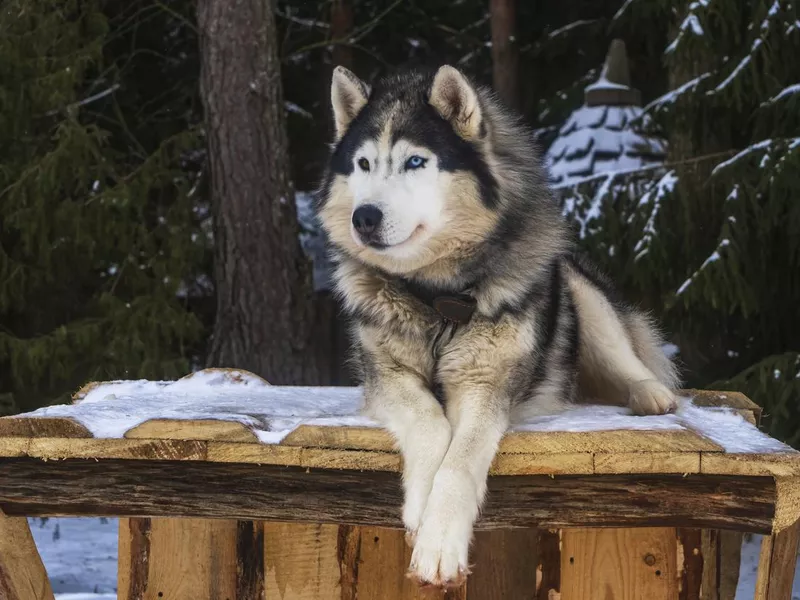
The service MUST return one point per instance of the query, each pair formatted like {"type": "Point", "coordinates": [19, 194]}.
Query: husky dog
{"type": "Point", "coordinates": [470, 309]}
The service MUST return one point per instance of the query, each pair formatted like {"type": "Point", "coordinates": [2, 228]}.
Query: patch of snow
{"type": "Point", "coordinates": [738, 69]}
{"type": "Point", "coordinates": [691, 23]}
{"type": "Point", "coordinates": [713, 257]}
{"type": "Point", "coordinates": [312, 240]}
{"type": "Point", "coordinates": [294, 108]}
{"type": "Point", "coordinates": [763, 144]}
{"type": "Point", "coordinates": [622, 10]}
{"type": "Point", "coordinates": [79, 555]}
{"type": "Point", "coordinates": [109, 409]}
{"type": "Point", "coordinates": [784, 93]}
{"type": "Point", "coordinates": [748, 570]}
{"type": "Point", "coordinates": [673, 95]}
{"type": "Point", "coordinates": [603, 83]}
{"type": "Point", "coordinates": [654, 195]}
{"type": "Point", "coordinates": [562, 30]}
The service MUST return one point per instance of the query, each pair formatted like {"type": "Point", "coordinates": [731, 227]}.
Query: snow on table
{"type": "Point", "coordinates": [110, 409]}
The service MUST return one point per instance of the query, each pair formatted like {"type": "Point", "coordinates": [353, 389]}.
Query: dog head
{"type": "Point", "coordinates": [408, 182]}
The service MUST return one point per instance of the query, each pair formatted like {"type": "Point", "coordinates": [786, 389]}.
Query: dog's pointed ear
{"type": "Point", "coordinates": [348, 97]}
{"type": "Point", "coordinates": [457, 101]}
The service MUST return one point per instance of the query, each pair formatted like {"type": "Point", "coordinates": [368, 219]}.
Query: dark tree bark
{"type": "Point", "coordinates": [267, 315]}
{"type": "Point", "coordinates": [341, 26]}
{"type": "Point", "coordinates": [505, 56]}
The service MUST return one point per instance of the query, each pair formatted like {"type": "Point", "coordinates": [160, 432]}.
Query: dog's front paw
{"type": "Point", "coordinates": [440, 557]}
{"type": "Point", "coordinates": [651, 397]}
{"type": "Point", "coordinates": [414, 506]}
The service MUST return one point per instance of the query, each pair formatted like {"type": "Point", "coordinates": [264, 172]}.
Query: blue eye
{"type": "Point", "coordinates": [415, 162]}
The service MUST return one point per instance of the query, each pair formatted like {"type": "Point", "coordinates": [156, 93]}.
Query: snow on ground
{"type": "Point", "coordinates": [80, 556]}
{"type": "Point", "coordinates": [109, 409]}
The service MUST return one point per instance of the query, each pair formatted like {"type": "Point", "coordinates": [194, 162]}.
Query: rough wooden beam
{"type": "Point", "coordinates": [22, 574]}
{"type": "Point", "coordinates": [776, 565]}
{"type": "Point", "coordinates": [253, 492]}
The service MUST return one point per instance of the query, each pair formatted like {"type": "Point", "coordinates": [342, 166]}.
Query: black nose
{"type": "Point", "coordinates": [366, 219]}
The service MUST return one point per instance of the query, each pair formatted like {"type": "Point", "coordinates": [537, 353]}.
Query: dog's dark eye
{"type": "Point", "coordinates": [415, 162]}
{"type": "Point", "coordinates": [363, 164]}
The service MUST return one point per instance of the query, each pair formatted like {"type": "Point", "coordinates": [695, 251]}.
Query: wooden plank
{"type": "Point", "coordinates": [188, 559]}
{"type": "Point", "coordinates": [250, 560]}
{"type": "Point", "coordinates": [574, 463]}
{"type": "Point", "coordinates": [22, 573]}
{"type": "Point", "coordinates": [776, 465]}
{"type": "Point", "coordinates": [504, 565]}
{"type": "Point", "coordinates": [301, 561]}
{"type": "Point", "coordinates": [133, 557]}
{"type": "Point", "coordinates": [690, 563]}
{"type": "Point", "coordinates": [39, 427]}
{"type": "Point", "coordinates": [346, 438]}
{"type": "Point", "coordinates": [626, 564]}
{"type": "Point", "coordinates": [169, 450]}
{"type": "Point", "coordinates": [647, 462]}
{"type": "Point", "coordinates": [134, 565]}
{"type": "Point", "coordinates": [263, 492]}
{"type": "Point", "coordinates": [618, 440]}
{"type": "Point", "coordinates": [204, 429]}
{"type": "Point", "coordinates": [548, 569]}
{"type": "Point", "coordinates": [518, 442]}
{"type": "Point", "coordinates": [776, 564]}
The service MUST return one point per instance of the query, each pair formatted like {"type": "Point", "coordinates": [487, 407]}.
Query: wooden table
{"type": "Point", "coordinates": [209, 512]}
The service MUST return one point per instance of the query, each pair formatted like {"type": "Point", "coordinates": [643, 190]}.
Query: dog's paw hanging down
{"type": "Point", "coordinates": [434, 197]}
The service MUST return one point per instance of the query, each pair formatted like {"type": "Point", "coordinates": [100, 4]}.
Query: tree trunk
{"type": "Point", "coordinates": [505, 58]}
{"type": "Point", "coordinates": [266, 311]}
{"type": "Point", "coordinates": [341, 27]}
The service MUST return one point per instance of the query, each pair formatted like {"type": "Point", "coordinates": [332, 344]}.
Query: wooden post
{"type": "Point", "coordinates": [627, 564]}
{"type": "Point", "coordinates": [776, 565]}
{"type": "Point", "coordinates": [189, 559]}
{"type": "Point", "coordinates": [22, 573]}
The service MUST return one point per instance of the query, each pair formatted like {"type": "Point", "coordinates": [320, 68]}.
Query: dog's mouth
{"type": "Point", "coordinates": [382, 246]}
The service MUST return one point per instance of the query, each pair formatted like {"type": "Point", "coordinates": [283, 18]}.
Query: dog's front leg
{"type": "Point", "coordinates": [404, 405]}
{"type": "Point", "coordinates": [479, 416]}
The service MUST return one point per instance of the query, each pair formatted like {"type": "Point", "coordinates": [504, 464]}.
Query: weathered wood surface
{"type": "Point", "coordinates": [583, 462]}
{"type": "Point", "coordinates": [775, 572]}
{"type": "Point", "coordinates": [365, 448]}
{"type": "Point", "coordinates": [626, 564]}
{"type": "Point", "coordinates": [22, 574]}
{"type": "Point", "coordinates": [206, 429]}
{"type": "Point", "coordinates": [261, 492]}
{"type": "Point", "coordinates": [177, 558]}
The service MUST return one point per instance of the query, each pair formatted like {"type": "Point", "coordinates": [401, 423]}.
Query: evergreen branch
{"type": "Point", "coordinates": [648, 168]}
{"type": "Point", "coordinates": [713, 257]}
{"type": "Point", "coordinates": [85, 101]}
{"type": "Point", "coordinates": [349, 40]}
{"type": "Point", "coordinates": [177, 15]}
{"type": "Point", "coordinates": [300, 21]}
{"type": "Point", "coordinates": [784, 93]}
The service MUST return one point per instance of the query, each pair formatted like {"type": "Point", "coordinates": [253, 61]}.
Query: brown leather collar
{"type": "Point", "coordinates": [456, 308]}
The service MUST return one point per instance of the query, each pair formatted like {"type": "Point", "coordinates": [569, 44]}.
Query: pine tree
{"type": "Point", "coordinates": [709, 244]}
{"type": "Point", "coordinates": [97, 230]}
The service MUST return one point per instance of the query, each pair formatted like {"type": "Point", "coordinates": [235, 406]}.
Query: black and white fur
{"type": "Point", "coordinates": [433, 186]}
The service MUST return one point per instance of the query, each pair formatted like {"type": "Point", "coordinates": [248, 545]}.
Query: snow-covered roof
{"type": "Point", "coordinates": [607, 133]}
{"type": "Point", "coordinates": [597, 139]}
